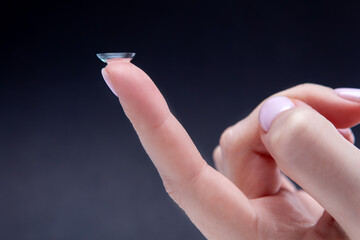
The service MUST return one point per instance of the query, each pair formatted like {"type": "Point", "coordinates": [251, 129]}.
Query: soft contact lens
{"type": "Point", "coordinates": [108, 56]}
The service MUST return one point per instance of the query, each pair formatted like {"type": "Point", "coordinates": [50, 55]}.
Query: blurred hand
{"type": "Point", "coordinates": [304, 133]}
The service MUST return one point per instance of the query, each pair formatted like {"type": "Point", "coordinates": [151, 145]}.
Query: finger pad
{"type": "Point", "coordinates": [138, 94]}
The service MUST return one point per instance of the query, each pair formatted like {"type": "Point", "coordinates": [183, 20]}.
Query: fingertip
{"type": "Point", "coordinates": [271, 109]}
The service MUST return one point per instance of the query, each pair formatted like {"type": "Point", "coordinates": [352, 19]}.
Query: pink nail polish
{"type": "Point", "coordinates": [347, 133]}
{"type": "Point", "coordinates": [352, 94]}
{"type": "Point", "coordinates": [107, 80]}
{"type": "Point", "coordinates": [271, 109]}
{"type": "Point", "coordinates": [344, 131]}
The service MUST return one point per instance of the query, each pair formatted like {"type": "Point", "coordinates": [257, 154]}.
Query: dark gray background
{"type": "Point", "coordinates": [71, 166]}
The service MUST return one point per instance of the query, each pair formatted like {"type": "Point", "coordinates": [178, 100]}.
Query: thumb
{"type": "Point", "coordinates": [311, 151]}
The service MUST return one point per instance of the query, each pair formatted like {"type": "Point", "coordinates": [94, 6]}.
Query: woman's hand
{"type": "Point", "coordinates": [249, 198]}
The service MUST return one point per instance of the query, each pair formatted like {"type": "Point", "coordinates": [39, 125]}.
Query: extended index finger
{"type": "Point", "coordinates": [206, 196]}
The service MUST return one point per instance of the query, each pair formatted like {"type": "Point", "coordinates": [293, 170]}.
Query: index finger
{"type": "Point", "coordinates": [206, 196]}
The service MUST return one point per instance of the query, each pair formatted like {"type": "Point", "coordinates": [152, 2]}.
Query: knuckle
{"type": "Point", "coordinates": [180, 190]}
{"type": "Point", "coordinates": [234, 137]}
{"type": "Point", "coordinates": [309, 87]}
{"type": "Point", "coordinates": [225, 139]}
{"type": "Point", "coordinates": [216, 153]}
{"type": "Point", "coordinates": [305, 86]}
{"type": "Point", "coordinates": [171, 187]}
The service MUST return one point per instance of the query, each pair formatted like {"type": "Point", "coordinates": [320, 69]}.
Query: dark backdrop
{"type": "Point", "coordinates": [71, 166]}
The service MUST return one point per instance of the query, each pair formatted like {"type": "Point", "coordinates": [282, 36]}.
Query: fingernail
{"type": "Point", "coordinates": [271, 109]}
{"type": "Point", "coordinates": [347, 133]}
{"type": "Point", "coordinates": [352, 94]}
{"type": "Point", "coordinates": [344, 131]}
{"type": "Point", "coordinates": [106, 77]}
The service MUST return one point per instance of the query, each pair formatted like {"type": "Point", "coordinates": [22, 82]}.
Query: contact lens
{"type": "Point", "coordinates": [108, 56]}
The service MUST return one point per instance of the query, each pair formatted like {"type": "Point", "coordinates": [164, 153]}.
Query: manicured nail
{"type": "Point", "coordinates": [352, 94]}
{"type": "Point", "coordinates": [347, 133]}
{"type": "Point", "coordinates": [271, 109]}
{"type": "Point", "coordinates": [344, 131]}
{"type": "Point", "coordinates": [106, 77]}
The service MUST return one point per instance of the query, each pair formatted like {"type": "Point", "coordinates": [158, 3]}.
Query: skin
{"type": "Point", "coordinates": [248, 196]}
